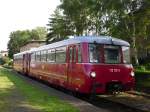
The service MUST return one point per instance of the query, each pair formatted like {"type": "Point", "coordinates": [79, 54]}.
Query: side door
{"type": "Point", "coordinates": [28, 63]}
{"type": "Point", "coordinates": [24, 63]}
{"type": "Point", "coordinates": [71, 66]}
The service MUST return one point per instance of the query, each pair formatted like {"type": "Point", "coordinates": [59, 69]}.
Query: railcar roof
{"type": "Point", "coordinates": [82, 39]}
{"type": "Point", "coordinates": [21, 53]}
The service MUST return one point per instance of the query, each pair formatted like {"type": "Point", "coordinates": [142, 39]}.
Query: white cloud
{"type": "Point", "coordinates": [23, 14]}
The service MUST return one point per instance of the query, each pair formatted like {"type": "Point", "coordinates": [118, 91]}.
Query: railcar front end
{"type": "Point", "coordinates": [108, 69]}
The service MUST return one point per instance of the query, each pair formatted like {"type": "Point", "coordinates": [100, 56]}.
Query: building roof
{"type": "Point", "coordinates": [82, 39]}
{"type": "Point", "coordinates": [34, 41]}
{"type": "Point", "coordinates": [4, 52]}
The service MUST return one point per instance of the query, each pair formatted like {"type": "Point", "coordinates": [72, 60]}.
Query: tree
{"type": "Point", "coordinates": [39, 33]}
{"type": "Point", "coordinates": [125, 19]}
{"type": "Point", "coordinates": [77, 12]}
{"type": "Point", "coordinates": [120, 19]}
{"type": "Point", "coordinates": [133, 24]}
{"type": "Point", "coordinates": [17, 39]}
{"type": "Point", "coordinates": [60, 27]}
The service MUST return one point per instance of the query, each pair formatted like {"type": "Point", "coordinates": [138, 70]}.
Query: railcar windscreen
{"type": "Point", "coordinates": [126, 54]}
{"type": "Point", "coordinates": [94, 53]}
{"type": "Point", "coordinates": [112, 54]}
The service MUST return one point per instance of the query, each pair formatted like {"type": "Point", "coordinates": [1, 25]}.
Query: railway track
{"type": "Point", "coordinates": [133, 102]}
{"type": "Point", "coordinates": [126, 102]}
{"type": "Point", "coordinates": [139, 94]}
{"type": "Point", "coordinates": [113, 105]}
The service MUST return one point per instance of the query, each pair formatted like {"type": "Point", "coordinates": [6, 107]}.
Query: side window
{"type": "Point", "coordinates": [43, 56]}
{"type": "Point", "coordinates": [38, 56]}
{"type": "Point", "coordinates": [32, 57]}
{"type": "Point", "coordinates": [79, 54]}
{"type": "Point", "coordinates": [51, 55]}
{"type": "Point", "coordinates": [70, 54]}
{"type": "Point", "coordinates": [126, 54]}
{"type": "Point", "coordinates": [74, 54]}
{"type": "Point", "coordinates": [61, 55]}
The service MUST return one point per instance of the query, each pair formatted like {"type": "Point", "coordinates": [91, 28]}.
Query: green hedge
{"type": "Point", "coordinates": [145, 67]}
{"type": "Point", "coordinates": [140, 72]}
{"type": "Point", "coordinates": [142, 79]}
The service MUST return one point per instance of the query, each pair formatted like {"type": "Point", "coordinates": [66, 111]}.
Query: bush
{"type": "Point", "coordinates": [140, 68]}
{"type": "Point", "coordinates": [10, 63]}
{"type": "Point", "coordinates": [3, 60]}
{"type": "Point", "coordinates": [142, 79]}
{"type": "Point", "coordinates": [147, 66]}
{"type": "Point", "coordinates": [6, 61]}
{"type": "Point", "coordinates": [139, 72]}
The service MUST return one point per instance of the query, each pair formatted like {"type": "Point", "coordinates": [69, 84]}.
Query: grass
{"type": "Point", "coordinates": [5, 86]}
{"type": "Point", "coordinates": [33, 97]}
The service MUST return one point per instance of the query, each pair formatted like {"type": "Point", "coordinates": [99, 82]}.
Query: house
{"type": "Point", "coordinates": [3, 53]}
{"type": "Point", "coordinates": [32, 44]}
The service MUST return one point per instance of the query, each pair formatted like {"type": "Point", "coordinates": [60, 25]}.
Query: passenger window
{"type": "Point", "coordinates": [70, 54]}
{"type": "Point", "coordinates": [61, 55]}
{"type": "Point", "coordinates": [79, 53]}
{"type": "Point", "coordinates": [38, 56]}
{"type": "Point", "coordinates": [51, 55]}
{"type": "Point", "coordinates": [32, 57]}
{"type": "Point", "coordinates": [74, 54]}
{"type": "Point", "coordinates": [43, 56]}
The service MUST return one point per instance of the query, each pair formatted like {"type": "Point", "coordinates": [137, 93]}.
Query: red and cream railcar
{"type": "Point", "coordinates": [82, 64]}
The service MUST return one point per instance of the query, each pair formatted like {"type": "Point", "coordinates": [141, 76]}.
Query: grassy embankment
{"type": "Point", "coordinates": [17, 94]}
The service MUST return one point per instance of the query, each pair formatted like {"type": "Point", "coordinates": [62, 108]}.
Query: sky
{"type": "Point", "coordinates": [22, 15]}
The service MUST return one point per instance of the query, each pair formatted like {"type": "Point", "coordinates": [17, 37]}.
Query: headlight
{"type": "Point", "coordinates": [132, 74]}
{"type": "Point", "coordinates": [93, 74]}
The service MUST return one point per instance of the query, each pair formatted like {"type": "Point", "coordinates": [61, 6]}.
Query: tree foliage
{"type": "Point", "coordinates": [39, 33]}
{"type": "Point", "coordinates": [126, 19]}
{"type": "Point", "coordinates": [20, 38]}
{"type": "Point", "coordinates": [59, 27]}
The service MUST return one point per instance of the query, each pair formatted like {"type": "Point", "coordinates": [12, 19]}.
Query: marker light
{"type": "Point", "coordinates": [132, 74]}
{"type": "Point", "coordinates": [93, 74]}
